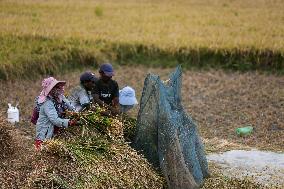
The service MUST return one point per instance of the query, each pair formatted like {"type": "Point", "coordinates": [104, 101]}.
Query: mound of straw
{"type": "Point", "coordinates": [6, 141]}
{"type": "Point", "coordinates": [93, 154]}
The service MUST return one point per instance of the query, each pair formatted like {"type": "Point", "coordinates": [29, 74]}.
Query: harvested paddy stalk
{"type": "Point", "coordinates": [110, 126]}
{"type": "Point", "coordinates": [7, 143]}
{"type": "Point", "coordinates": [93, 154]}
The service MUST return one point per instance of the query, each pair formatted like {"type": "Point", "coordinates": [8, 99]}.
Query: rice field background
{"type": "Point", "coordinates": [166, 24]}
{"type": "Point", "coordinates": [231, 52]}
{"type": "Point", "coordinates": [49, 35]}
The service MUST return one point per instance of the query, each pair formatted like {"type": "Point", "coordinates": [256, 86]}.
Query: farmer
{"type": "Point", "coordinates": [106, 91]}
{"type": "Point", "coordinates": [81, 96]}
{"type": "Point", "coordinates": [52, 105]}
{"type": "Point", "coordinates": [127, 99]}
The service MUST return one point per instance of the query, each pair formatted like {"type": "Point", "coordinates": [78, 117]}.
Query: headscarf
{"type": "Point", "coordinates": [47, 85]}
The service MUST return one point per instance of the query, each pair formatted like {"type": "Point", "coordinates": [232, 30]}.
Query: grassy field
{"type": "Point", "coordinates": [50, 35]}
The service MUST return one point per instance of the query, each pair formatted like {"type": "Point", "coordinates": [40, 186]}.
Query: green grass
{"type": "Point", "coordinates": [31, 56]}
{"type": "Point", "coordinates": [51, 35]}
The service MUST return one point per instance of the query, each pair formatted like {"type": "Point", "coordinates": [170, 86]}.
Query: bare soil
{"type": "Point", "coordinates": [218, 101]}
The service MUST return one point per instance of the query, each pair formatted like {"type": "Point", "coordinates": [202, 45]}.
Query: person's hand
{"type": "Point", "coordinates": [115, 102]}
{"type": "Point", "coordinates": [63, 114]}
{"type": "Point", "coordinates": [38, 144]}
{"type": "Point", "coordinates": [114, 111]}
{"type": "Point", "coordinates": [72, 122]}
{"type": "Point", "coordinates": [106, 113]}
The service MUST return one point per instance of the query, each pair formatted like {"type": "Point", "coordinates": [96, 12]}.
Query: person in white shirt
{"type": "Point", "coordinates": [127, 99]}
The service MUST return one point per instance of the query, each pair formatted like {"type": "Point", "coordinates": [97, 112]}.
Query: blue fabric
{"type": "Point", "coordinates": [88, 76]}
{"type": "Point", "coordinates": [106, 68]}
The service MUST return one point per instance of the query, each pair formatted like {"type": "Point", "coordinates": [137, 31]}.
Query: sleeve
{"type": "Point", "coordinates": [84, 98]}
{"type": "Point", "coordinates": [52, 115]}
{"type": "Point", "coordinates": [116, 90]}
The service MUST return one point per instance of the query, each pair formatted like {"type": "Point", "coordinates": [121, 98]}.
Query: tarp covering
{"type": "Point", "coordinates": [167, 136]}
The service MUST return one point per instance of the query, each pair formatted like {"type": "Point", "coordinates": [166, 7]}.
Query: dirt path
{"type": "Point", "coordinates": [264, 167]}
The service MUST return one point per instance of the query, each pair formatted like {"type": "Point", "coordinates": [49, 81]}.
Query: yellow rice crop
{"type": "Point", "coordinates": [164, 23]}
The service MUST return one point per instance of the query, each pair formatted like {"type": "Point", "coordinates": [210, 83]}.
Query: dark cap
{"type": "Point", "coordinates": [107, 69]}
{"type": "Point", "coordinates": [88, 76]}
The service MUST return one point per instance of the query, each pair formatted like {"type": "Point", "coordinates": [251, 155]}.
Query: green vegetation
{"type": "Point", "coordinates": [99, 11]}
{"type": "Point", "coordinates": [32, 56]}
{"type": "Point", "coordinates": [25, 56]}
{"type": "Point", "coordinates": [45, 36]}
{"type": "Point", "coordinates": [93, 155]}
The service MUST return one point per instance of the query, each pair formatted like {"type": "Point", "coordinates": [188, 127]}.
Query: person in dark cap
{"type": "Point", "coordinates": [106, 90]}
{"type": "Point", "coordinates": [81, 96]}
